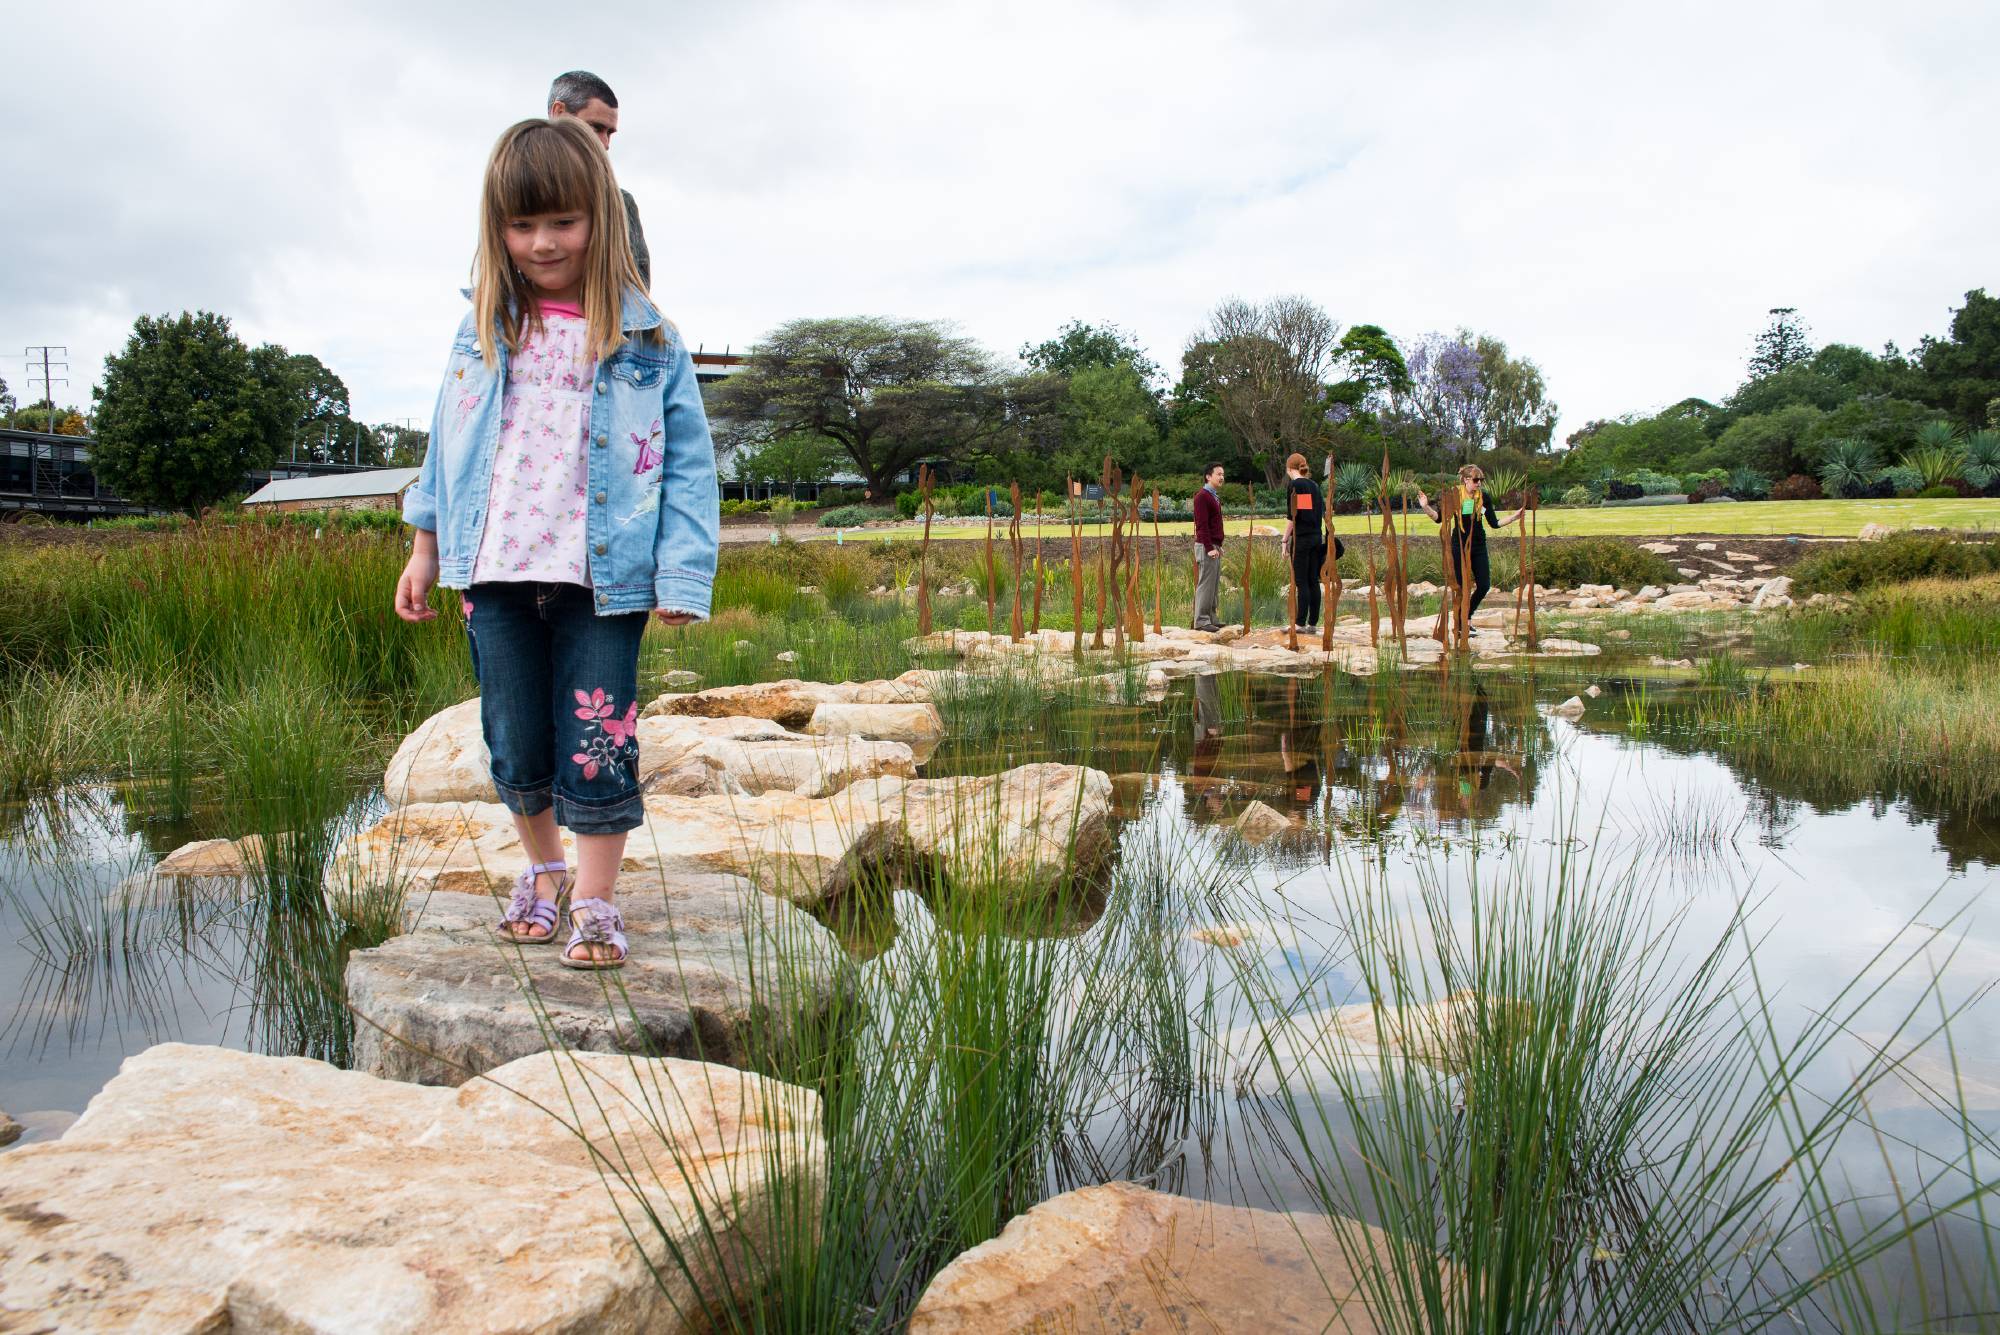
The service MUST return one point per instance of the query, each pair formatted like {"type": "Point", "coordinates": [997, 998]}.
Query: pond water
{"type": "Point", "coordinates": [1400, 781]}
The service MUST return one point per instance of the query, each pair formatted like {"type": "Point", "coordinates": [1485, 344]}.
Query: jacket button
{"type": "Point", "coordinates": [603, 598]}
{"type": "Point", "coordinates": [600, 387]}
{"type": "Point", "coordinates": [600, 498]}
{"type": "Point", "coordinates": [600, 438]}
{"type": "Point", "coordinates": [602, 548]}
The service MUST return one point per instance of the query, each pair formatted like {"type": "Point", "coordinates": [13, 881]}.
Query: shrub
{"type": "Point", "coordinates": [1935, 461]}
{"type": "Point", "coordinates": [1671, 498]}
{"type": "Point", "coordinates": [1709, 489]}
{"type": "Point", "coordinates": [1901, 481]}
{"type": "Point", "coordinates": [1943, 491]}
{"type": "Point", "coordinates": [1620, 490]}
{"type": "Point", "coordinates": [1982, 459]}
{"type": "Point", "coordinates": [1651, 483]}
{"type": "Point", "coordinates": [1599, 561]}
{"type": "Point", "coordinates": [1355, 483]}
{"type": "Point", "coordinates": [909, 504]}
{"type": "Point", "coordinates": [1894, 560]}
{"type": "Point", "coordinates": [830, 497]}
{"type": "Point", "coordinates": [783, 510]}
{"type": "Point", "coordinates": [1797, 487]}
{"type": "Point", "coordinates": [1578, 497]}
{"type": "Point", "coordinates": [1747, 484]}
{"type": "Point", "coordinates": [853, 516]}
{"type": "Point", "coordinates": [1848, 467]}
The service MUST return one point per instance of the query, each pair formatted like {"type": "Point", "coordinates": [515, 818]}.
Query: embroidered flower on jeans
{"type": "Point", "coordinates": [610, 739]}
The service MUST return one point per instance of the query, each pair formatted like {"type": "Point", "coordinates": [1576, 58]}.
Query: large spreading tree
{"type": "Point", "coordinates": [181, 414]}
{"type": "Point", "coordinates": [1265, 368]}
{"type": "Point", "coordinates": [888, 393]}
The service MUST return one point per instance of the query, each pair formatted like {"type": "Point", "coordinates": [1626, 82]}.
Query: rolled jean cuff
{"type": "Point", "coordinates": [608, 815]}
{"type": "Point", "coordinates": [531, 801]}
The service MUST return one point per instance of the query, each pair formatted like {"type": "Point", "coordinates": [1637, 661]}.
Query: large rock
{"type": "Point", "coordinates": [1260, 823]}
{"type": "Point", "coordinates": [1123, 1258]}
{"type": "Point", "coordinates": [790, 702]}
{"type": "Point", "coordinates": [445, 758]}
{"type": "Point", "coordinates": [717, 973]}
{"type": "Point", "coordinates": [1026, 829]}
{"type": "Point", "coordinates": [1873, 532]}
{"type": "Point", "coordinates": [207, 1190]}
{"type": "Point", "coordinates": [915, 725]}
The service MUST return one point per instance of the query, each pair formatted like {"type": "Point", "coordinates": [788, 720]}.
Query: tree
{"type": "Point", "coordinates": [888, 393]}
{"type": "Point", "coordinates": [1078, 345]}
{"type": "Point", "coordinates": [399, 446]}
{"type": "Point", "coordinates": [1786, 341]}
{"type": "Point", "coordinates": [1445, 395]}
{"type": "Point", "coordinates": [1962, 372]}
{"type": "Point", "coordinates": [1265, 369]}
{"type": "Point", "coordinates": [1373, 363]}
{"type": "Point", "coordinates": [180, 416]}
{"type": "Point", "coordinates": [6, 398]}
{"type": "Point", "coordinates": [793, 458]}
{"type": "Point", "coordinates": [1109, 411]}
{"type": "Point", "coordinates": [306, 409]}
{"type": "Point", "coordinates": [1776, 444]}
{"type": "Point", "coordinates": [1516, 412]}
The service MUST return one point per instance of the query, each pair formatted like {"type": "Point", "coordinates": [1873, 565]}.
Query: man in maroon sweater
{"type": "Point", "coordinates": [1208, 548]}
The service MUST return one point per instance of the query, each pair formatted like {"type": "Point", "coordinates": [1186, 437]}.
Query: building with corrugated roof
{"type": "Point", "coordinates": [377, 489]}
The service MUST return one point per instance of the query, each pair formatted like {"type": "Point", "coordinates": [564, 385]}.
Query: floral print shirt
{"type": "Point", "coordinates": [535, 507]}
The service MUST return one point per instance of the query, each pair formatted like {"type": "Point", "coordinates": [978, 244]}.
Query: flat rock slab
{"type": "Point", "coordinates": [1025, 831]}
{"type": "Point", "coordinates": [1303, 1051]}
{"type": "Point", "coordinates": [445, 758]}
{"type": "Point", "coordinates": [207, 1190]}
{"type": "Point", "coordinates": [447, 1000]}
{"type": "Point", "coordinates": [790, 702]}
{"type": "Point", "coordinates": [1123, 1258]}
{"type": "Point", "coordinates": [1176, 653]}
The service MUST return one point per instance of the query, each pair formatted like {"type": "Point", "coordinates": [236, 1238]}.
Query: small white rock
{"type": "Point", "coordinates": [1593, 690]}
{"type": "Point", "coordinates": [1571, 708]}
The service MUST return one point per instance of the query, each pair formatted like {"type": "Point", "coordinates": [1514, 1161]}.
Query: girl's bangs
{"type": "Point", "coordinates": [542, 173]}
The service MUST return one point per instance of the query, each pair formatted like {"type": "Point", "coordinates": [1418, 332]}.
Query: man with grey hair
{"type": "Point", "coordinates": [583, 95]}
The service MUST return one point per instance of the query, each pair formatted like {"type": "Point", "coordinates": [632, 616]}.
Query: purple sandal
{"type": "Point", "coordinates": [527, 909]}
{"type": "Point", "coordinates": [596, 922]}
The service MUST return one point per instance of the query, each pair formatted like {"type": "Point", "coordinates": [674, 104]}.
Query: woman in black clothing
{"type": "Point", "coordinates": [1475, 511]}
{"type": "Point", "coordinates": [1305, 539]}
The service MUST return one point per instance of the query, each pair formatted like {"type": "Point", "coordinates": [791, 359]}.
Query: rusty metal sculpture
{"type": "Point", "coordinates": [1103, 490]}
{"type": "Point", "coordinates": [1135, 607]}
{"type": "Point", "coordinates": [1249, 544]}
{"type": "Point", "coordinates": [1014, 540]}
{"type": "Point", "coordinates": [1329, 573]}
{"type": "Point", "coordinates": [924, 555]}
{"type": "Point", "coordinates": [1159, 565]}
{"type": "Point", "coordinates": [1076, 566]}
{"type": "Point", "coordinates": [1038, 564]}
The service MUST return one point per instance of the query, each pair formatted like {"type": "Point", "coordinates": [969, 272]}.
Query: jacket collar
{"type": "Point", "coordinates": [636, 310]}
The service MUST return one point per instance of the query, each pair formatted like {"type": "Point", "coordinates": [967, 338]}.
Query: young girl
{"type": "Point", "coordinates": [1476, 512]}
{"type": "Point", "coordinates": [568, 490]}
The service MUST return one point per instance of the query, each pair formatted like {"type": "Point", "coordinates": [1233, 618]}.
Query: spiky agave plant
{"type": "Point", "coordinates": [1982, 459]}
{"type": "Point", "coordinates": [1938, 455]}
{"type": "Point", "coordinates": [1848, 466]}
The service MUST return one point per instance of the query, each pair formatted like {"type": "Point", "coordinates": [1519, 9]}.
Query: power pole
{"type": "Point", "coordinates": [48, 377]}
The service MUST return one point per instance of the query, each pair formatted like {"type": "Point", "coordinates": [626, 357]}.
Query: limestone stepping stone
{"type": "Point", "coordinates": [1121, 1257]}
{"type": "Point", "coordinates": [914, 725]}
{"type": "Point", "coordinates": [1025, 830]}
{"type": "Point", "coordinates": [212, 1190]}
{"type": "Point", "coordinates": [446, 1001]}
{"type": "Point", "coordinates": [445, 758]}
{"type": "Point", "coordinates": [1301, 1051]}
{"type": "Point", "coordinates": [790, 702]}
{"type": "Point", "coordinates": [1260, 823]}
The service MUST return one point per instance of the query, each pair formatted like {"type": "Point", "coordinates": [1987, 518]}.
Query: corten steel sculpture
{"type": "Point", "coordinates": [1159, 565]}
{"type": "Point", "coordinates": [924, 555]}
{"type": "Point", "coordinates": [1038, 562]}
{"type": "Point", "coordinates": [1329, 573]}
{"type": "Point", "coordinates": [1403, 561]}
{"type": "Point", "coordinates": [992, 593]}
{"type": "Point", "coordinates": [1014, 539]}
{"type": "Point", "coordinates": [1531, 501]}
{"type": "Point", "coordinates": [1076, 567]}
{"type": "Point", "coordinates": [1117, 577]}
{"type": "Point", "coordinates": [1103, 490]}
{"type": "Point", "coordinates": [1135, 607]}
{"type": "Point", "coordinates": [1396, 572]}
{"type": "Point", "coordinates": [1374, 604]}
{"type": "Point", "coordinates": [1249, 542]}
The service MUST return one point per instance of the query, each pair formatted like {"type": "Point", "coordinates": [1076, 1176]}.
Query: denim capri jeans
{"type": "Point", "coordinates": [558, 702]}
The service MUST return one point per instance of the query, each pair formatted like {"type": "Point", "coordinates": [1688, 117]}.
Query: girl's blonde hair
{"type": "Point", "coordinates": [551, 166]}
{"type": "Point", "coordinates": [1465, 472]}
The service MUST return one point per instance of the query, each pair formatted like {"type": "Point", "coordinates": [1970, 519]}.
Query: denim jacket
{"type": "Point", "coordinates": [653, 514]}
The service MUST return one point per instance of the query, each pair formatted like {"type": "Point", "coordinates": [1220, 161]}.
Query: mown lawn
{"type": "Point", "coordinates": [1806, 518]}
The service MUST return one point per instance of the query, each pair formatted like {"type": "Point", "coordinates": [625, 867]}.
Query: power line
{"type": "Point", "coordinates": [48, 377]}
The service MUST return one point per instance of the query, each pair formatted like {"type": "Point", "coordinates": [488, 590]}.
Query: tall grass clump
{"type": "Point", "coordinates": [1896, 559]}
{"type": "Point", "coordinates": [1574, 1125]}
{"type": "Point", "coordinates": [992, 1056]}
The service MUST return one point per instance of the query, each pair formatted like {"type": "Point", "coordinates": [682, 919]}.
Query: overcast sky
{"type": "Point", "coordinates": [1619, 191]}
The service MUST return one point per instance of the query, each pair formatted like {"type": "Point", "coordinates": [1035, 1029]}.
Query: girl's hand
{"type": "Point", "coordinates": [1422, 499]}
{"type": "Point", "coordinates": [413, 587]}
{"type": "Point", "coordinates": [673, 618]}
